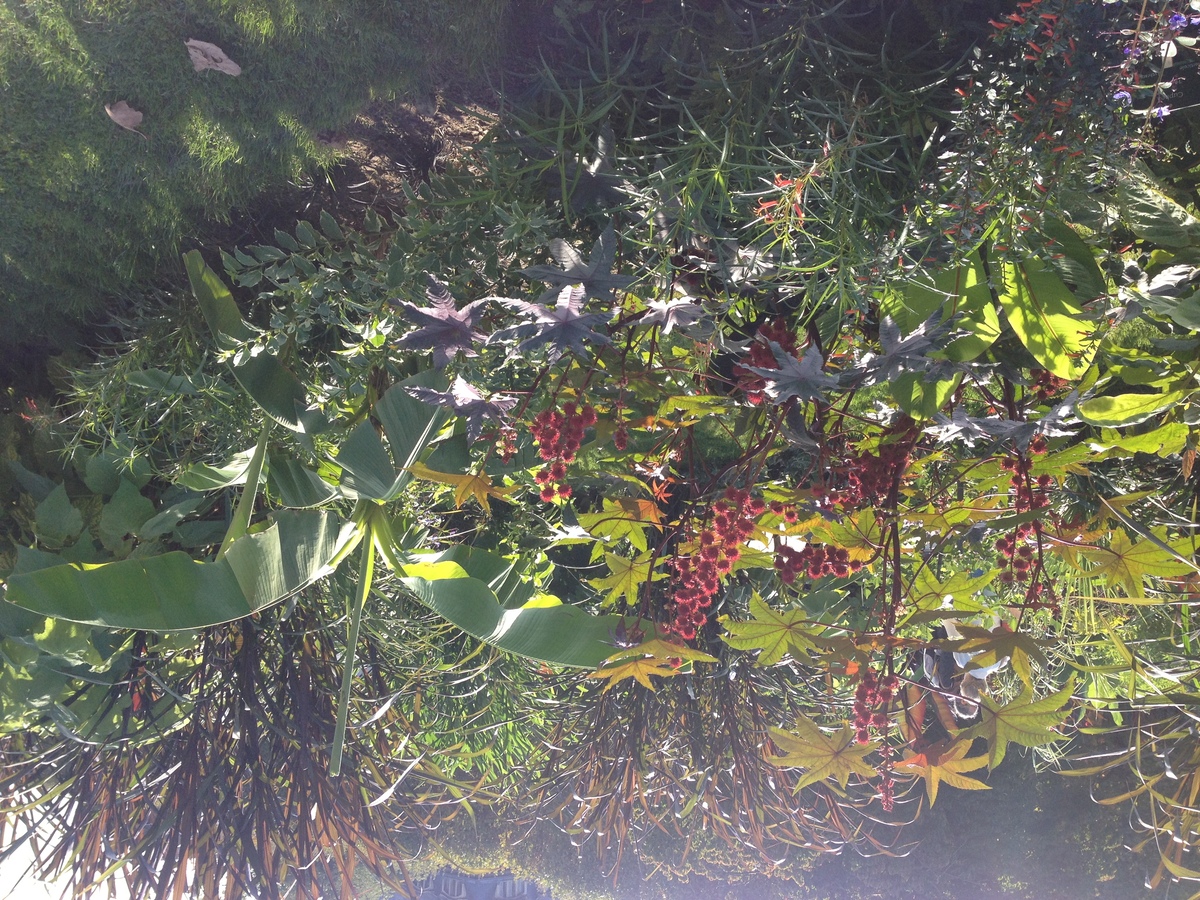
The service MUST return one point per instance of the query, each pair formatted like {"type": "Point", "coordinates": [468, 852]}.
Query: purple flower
{"type": "Point", "coordinates": [1122, 96]}
{"type": "Point", "coordinates": [1160, 112]}
{"type": "Point", "coordinates": [1177, 22]}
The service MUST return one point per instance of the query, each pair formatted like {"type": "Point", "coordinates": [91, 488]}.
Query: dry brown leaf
{"type": "Point", "coordinates": [124, 115]}
{"type": "Point", "coordinates": [209, 56]}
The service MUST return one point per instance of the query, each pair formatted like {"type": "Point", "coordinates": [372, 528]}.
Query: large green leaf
{"type": "Point", "coordinates": [410, 425]}
{"type": "Point", "coordinates": [960, 291]}
{"type": "Point", "coordinates": [1151, 214]}
{"type": "Point", "coordinates": [1043, 313]}
{"type": "Point", "coordinates": [544, 629]}
{"type": "Point", "coordinates": [175, 592]}
{"type": "Point", "coordinates": [1126, 409]}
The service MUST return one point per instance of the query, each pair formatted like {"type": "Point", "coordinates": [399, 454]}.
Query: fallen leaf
{"type": "Point", "coordinates": [209, 56]}
{"type": "Point", "coordinates": [125, 116]}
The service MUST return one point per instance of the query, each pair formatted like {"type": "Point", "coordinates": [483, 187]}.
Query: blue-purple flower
{"type": "Point", "coordinates": [1122, 96]}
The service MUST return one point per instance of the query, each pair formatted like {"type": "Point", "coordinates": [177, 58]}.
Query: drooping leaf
{"type": "Point", "coordinates": [563, 326]}
{"type": "Point", "coordinates": [595, 276]}
{"type": "Point", "coordinates": [944, 763]}
{"type": "Point", "coordinates": [1046, 317]}
{"type": "Point", "coordinates": [1025, 721]}
{"type": "Point", "coordinates": [468, 485]}
{"type": "Point", "coordinates": [773, 633]}
{"type": "Point", "coordinates": [834, 756]}
{"type": "Point", "coordinates": [1127, 409]}
{"type": "Point", "coordinates": [467, 402]}
{"type": "Point", "coordinates": [544, 629]}
{"type": "Point", "coordinates": [444, 329]}
{"type": "Point", "coordinates": [174, 592]}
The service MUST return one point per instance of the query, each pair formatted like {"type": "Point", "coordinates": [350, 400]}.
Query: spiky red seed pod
{"type": "Point", "coordinates": [548, 493]}
{"type": "Point", "coordinates": [564, 491]}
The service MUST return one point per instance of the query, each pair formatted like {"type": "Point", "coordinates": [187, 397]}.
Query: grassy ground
{"type": "Point", "coordinates": [90, 208]}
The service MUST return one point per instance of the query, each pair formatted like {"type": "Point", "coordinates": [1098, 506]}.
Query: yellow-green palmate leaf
{"type": "Point", "coordinates": [773, 633]}
{"type": "Point", "coordinates": [944, 763]}
{"type": "Point", "coordinates": [654, 657]}
{"type": "Point", "coordinates": [1128, 565]}
{"type": "Point", "coordinates": [468, 485]}
{"type": "Point", "coordinates": [1025, 721]}
{"type": "Point", "coordinates": [627, 578]}
{"type": "Point", "coordinates": [992, 646]}
{"type": "Point", "coordinates": [833, 757]}
{"type": "Point", "coordinates": [623, 517]}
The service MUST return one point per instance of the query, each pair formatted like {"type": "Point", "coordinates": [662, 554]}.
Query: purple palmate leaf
{"type": "Point", "coordinates": [445, 329]}
{"type": "Point", "coordinates": [466, 401]}
{"type": "Point", "coordinates": [595, 275]}
{"type": "Point", "coordinates": [563, 326]}
{"type": "Point", "coordinates": [669, 313]}
{"type": "Point", "coordinates": [803, 378]}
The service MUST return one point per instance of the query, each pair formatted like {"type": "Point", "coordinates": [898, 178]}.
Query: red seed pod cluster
{"type": "Point", "coordinates": [559, 435]}
{"type": "Point", "coordinates": [866, 479]}
{"type": "Point", "coordinates": [1014, 554]}
{"type": "Point", "coordinates": [1029, 493]}
{"type": "Point", "coordinates": [1047, 385]}
{"type": "Point", "coordinates": [814, 561]}
{"type": "Point", "coordinates": [761, 356]}
{"type": "Point", "coordinates": [700, 564]}
{"type": "Point", "coordinates": [871, 701]}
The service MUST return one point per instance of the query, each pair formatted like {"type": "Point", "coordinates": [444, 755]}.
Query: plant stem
{"type": "Point", "coordinates": [366, 571]}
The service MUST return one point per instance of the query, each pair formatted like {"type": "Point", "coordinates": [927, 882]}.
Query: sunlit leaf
{"type": "Point", "coordinates": [1024, 721]}
{"type": "Point", "coordinates": [654, 657]}
{"type": "Point", "coordinates": [465, 486]}
{"type": "Point", "coordinates": [834, 756]}
{"type": "Point", "coordinates": [944, 763]}
{"type": "Point", "coordinates": [627, 578]}
{"type": "Point", "coordinates": [773, 633]}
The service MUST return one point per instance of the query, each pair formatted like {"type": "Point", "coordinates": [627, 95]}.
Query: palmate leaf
{"type": "Point", "coordinates": [669, 313]}
{"type": "Point", "coordinates": [654, 657]}
{"type": "Point", "coordinates": [803, 378]}
{"type": "Point", "coordinates": [595, 276]}
{"type": "Point", "coordinates": [1127, 565]}
{"type": "Point", "coordinates": [623, 517]}
{"type": "Point", "coordinates": [1025, 721]}
{"type": "Point", "coordinates": [627, 578]}
{"type": "Point", "coordinates": [466, 402]}
{"type": "Point", "coordinates": [834, 756]}
{"type": "Point", "coordinates": [903, 354]}
{"type": "Point", "coordinates": [478, 485]}
{"type": "Point", "coordinates": [445, 329]}
{"type": "Point", "coordinates": [990, 647]}
{"type": "Point", "coordinates": [944, 763]}
{"type": "Point", "coordinates": [563, 326]}
{"type": "Point", "coordinates": [773, 633]}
